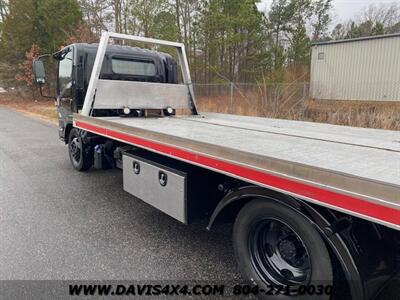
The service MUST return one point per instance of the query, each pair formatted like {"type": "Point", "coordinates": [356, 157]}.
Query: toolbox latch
{"type": "Point", "coordinates": [162, 178]}
{"type": "Point", "coordinates": [136, 168]}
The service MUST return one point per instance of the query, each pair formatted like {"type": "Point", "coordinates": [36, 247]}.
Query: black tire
{"type": "Point", "coordinates": [276, 246]}
{"type": "Point", "coordinates": [80, 154]}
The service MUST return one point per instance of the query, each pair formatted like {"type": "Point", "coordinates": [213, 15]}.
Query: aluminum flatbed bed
{"type": "Point", "coordinates": [353, 170]}
{"type": "Point", "coordinates": [305, 200]}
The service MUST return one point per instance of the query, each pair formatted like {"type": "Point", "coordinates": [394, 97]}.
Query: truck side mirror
{"type": "Point", "coordinates": [39, 72]}
{"type": "Point", "coordinates": [40, 75]}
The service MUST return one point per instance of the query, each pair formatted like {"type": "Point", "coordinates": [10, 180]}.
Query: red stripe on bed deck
{"type": "Point", "coordinates": [348, 203]}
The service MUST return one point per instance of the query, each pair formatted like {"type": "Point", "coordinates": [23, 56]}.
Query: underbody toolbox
{"type": "Point", "coordinates": [158, 185]}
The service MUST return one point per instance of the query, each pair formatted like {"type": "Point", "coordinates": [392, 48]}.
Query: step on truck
{"type": "Point", "coordinates": [312, 205]}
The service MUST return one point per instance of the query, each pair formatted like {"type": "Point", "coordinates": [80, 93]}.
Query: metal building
{"type": "Point", "coordinates": [357, 69]}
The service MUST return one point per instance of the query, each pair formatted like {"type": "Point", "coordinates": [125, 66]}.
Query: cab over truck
{"type": "Point", "coordinates": [311, 204]}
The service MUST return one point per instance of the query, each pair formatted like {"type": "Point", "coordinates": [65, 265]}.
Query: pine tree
{"type": "Point", "coordinates": [320, 24]}
{"type": "Point", "coordinates": [233, 39]}
{"type": "Point", "coordinates": [45, 23]}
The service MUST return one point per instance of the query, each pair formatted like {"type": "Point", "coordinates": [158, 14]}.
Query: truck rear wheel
{"type": "Point", "coordinates": [80, 154]}
{"type": "Point", "coordinates": [275, 246]}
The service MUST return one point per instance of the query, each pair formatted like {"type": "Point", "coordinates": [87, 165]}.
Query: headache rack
{"type": "Point", "coordinates": [117, 94]}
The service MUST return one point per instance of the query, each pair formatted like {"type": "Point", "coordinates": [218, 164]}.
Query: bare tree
{"type": "Point", "coordinates": [96, 14]}
{"type": "Point", "coordinates": [388, 15]}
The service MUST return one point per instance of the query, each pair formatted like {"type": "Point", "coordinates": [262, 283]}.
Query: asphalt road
{"type": "Point", "coordinates": [56, 223]}
{"type": "Point", "coordinates": [59, 224]}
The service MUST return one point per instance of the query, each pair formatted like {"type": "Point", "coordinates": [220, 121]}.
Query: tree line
{"type": "Point", "coordinates": [226, 40]}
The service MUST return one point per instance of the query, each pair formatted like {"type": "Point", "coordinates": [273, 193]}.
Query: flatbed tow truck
{"type": "Point", "coordinates": [311, 204]}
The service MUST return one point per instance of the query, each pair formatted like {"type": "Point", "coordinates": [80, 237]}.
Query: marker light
{"type": "Point", "coordinates": [170, 111]}
{"type": "Point", "coordinates": [127, 110]}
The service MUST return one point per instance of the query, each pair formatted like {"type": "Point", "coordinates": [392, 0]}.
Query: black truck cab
{"type": "Point", "coordinates": [75, 64]}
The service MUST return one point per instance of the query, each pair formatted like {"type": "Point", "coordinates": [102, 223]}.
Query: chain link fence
{"type": "Point", "coordinates": [293, 101]}
{"type": "Point", "coordinates": [259, 99]}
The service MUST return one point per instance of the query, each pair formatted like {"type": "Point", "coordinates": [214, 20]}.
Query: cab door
{"type": "Point", "coordinates": [65, 92]}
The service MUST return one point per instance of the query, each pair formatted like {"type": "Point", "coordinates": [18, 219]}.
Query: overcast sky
{"type": "Point", "coordinates": [343, 9]}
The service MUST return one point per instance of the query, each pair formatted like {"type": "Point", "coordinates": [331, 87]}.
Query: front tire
{"type": "Point", "coordinates": [80, 154]}
{"type": "Point", "coordinates": [276, 246]}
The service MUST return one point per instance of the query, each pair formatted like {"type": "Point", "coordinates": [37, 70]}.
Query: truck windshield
{"type": "Point", "coordinates": [133, 67]}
